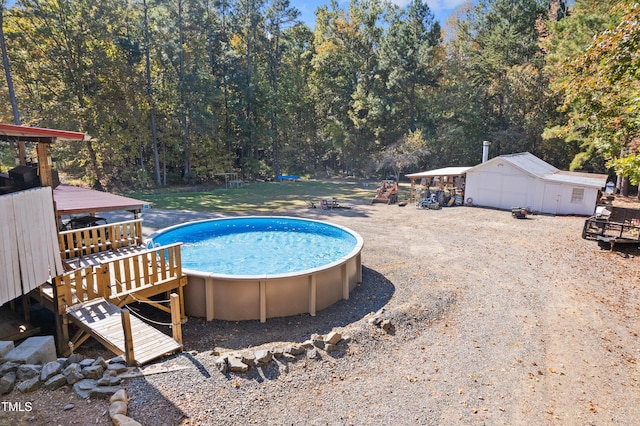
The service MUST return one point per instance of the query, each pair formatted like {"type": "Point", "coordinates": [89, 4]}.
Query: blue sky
{"type": "Point", "coordinates": [440, 8]}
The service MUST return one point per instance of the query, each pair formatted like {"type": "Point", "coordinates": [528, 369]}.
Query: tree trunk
{"type": "Point", "coordinates": [7, 71]}
{"type": "Point", "coordinates": [152, 112]}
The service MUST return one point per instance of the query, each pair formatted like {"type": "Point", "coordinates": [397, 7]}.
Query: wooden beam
{"type": "Point", "coordinates": [128, 338]}
{"type": "Point", "coordinates": [176, 320]}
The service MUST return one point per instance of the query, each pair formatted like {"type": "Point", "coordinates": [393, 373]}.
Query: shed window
{"type": "Point", "coordinates": [577, 195]}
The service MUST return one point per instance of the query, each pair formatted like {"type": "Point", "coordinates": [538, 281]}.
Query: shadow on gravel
{"type": "Point", "coordinates": [374, 293]}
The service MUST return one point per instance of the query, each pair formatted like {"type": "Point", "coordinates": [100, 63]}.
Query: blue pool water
{"type": "Point", "coordinates": [258, 245]}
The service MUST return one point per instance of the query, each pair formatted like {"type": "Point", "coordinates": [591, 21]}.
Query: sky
{"type": "Point", "coordinates": [440, 8]}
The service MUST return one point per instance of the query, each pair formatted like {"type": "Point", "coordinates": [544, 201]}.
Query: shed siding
{"type": "Point", "coordinates": [501, 185]}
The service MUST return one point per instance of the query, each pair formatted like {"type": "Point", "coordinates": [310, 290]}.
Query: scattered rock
{"type": "Point", "coordinates": [93, 371]}
{"type": "Point", "coordinates": [69, 406]}
{"type": "Point", "coordinates": [249, 359]}
{"type": "Point", "coordinates": [237, 366]}
{"type": "Point", "coordinates": [319, 343]}
{"type": "Point", "coordinates": [29, 385]}
{"type": "Point", "coordinates": [221, 364]}
{"type": "Point", "coordinates": [120, 395]}
{"type": "Point", "coordinates": [294, 349]}
{"type": "Point", "coordinates": [101, 362]}
{"type": "Point", "coordinates": [278, 352]}
{"type": "Point", "coordinates": [28, 371]}
{"type": "Point", "coordinates": [55, 382]}
{"type": "Point", "coordinates": [117, 360]}
{"type": "Point", "coordinates": [117, 407]}
{"type": "Point", "coordinates": [8, 367]}
{"type": "Point", "coordinates": [117, 367]}
{"type": "Point", "coordinates": [73, 373]}
{"type": "Point", "coordinates": [331, 348]}
{"type": "Point", "coordinates": [308, 344]}
{"type": "Point", "coordinates": [7, 382]}
{"type": "Point", "coordinates": [263, 356]}
{"type": "Point", "coordinates": [120, 420]}
{"type": "Point", "coordinates": [386, 325]}
{"type": "Point", "coordinates": [74, 359]}
{"type": "Point", "coordinates": [83, 387]}
{"type": "Point", "coordinates": [313, 354]}
{"type": "Point", "coordinates": [333, 338]}
{"type": "Point", "coordinates": [49, 370]}
{"type": "Point", "coordinates": [103, 392]}
{"type": "Point", "coordinates": [87, 362]}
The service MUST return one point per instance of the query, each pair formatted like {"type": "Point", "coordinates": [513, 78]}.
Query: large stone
{"type": "Point", "coordinates": [333, 338]}
{"type": "Point", "coordinates": [5, 347]}
{"type": "Point", "coordinates": [93, 372]}
{"type": "Point", "coordinates": [28, 371]}
{"type": "Point", "coordinates": [117, 407]}
{"type": "Point", "coordinates": [7, 382]}
{"type": "Point", "coordinates": [29, 385]}
{"type": "Point", "coordinates": [83, 387]}
{"type": "Point", "coordinates": [117, 367]}
{"type": "Point", "coordinates": [74, 359]}
{"type": "Point", "coordinates": [55, 382]}
{"type": "Point", "coordinates": [100, 361]}
{"type": "Point", "coordinates": [73, 373]}
{"type": "Point", "coordinates": [49, 370]}
{"type": "Point", "coordinates": [107, 380]}
{"type": "Point", "coordinates": [331, 348]}
{"type": "Point", "coordinates": [103, 392]}
{"type": "Point", "coordinates": [87, 362]}
{"type": "Point", "coordinates": [120, 420]}
{"type": "Point", "coordinates": [8, 367]}
{"type": "Point", "coordinates": [34, 350]}
{"type": "Point", "coordinates": [121, 395]}
{"type": "Point", "coordinates": [237, 366]}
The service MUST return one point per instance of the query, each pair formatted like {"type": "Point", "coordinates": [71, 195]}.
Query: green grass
{"type": "Point", "coordinates": [255, 197]}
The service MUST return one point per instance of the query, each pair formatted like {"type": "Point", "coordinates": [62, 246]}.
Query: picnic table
{"type": "Point", "coordinates": [329, 203]}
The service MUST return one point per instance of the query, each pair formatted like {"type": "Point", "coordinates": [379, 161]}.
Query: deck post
{"type": "Point", "coordinates": [62, 330]}
{"type": "Point", "coordinates": [128, 338]}
{"type": "Point", "coordinates": [176, 320]}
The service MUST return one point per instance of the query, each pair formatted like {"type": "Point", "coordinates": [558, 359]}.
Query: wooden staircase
{"type": "Point", "coordinates": [121, 333]}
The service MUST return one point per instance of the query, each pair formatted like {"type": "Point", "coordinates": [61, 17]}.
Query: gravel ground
{"type": "Point", "coordinates": [495, 321]}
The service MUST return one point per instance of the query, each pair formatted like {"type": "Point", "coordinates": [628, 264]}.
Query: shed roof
{"type": "Point", "coordinates": [447, 171]}
{"type": "Point", "coordinates": [72, 200]}
{"type": "Point", "coordinates": [534, 166]}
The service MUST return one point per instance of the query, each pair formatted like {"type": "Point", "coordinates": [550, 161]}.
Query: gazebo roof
{"type": "Point", "coordinates": [73, 200]}
{"type": "Point", "coordinates": [39, 134]}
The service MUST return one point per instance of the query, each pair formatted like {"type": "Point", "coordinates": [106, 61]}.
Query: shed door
{"type": "Point", "coordinates": [551, 198]}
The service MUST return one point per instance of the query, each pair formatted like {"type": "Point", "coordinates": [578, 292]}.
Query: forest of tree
{"type": "Point", "coordinates": [177, 91]}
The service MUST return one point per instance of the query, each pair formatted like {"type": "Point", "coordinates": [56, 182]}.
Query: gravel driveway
{"type": "Point", "coordinates": [495, 320]}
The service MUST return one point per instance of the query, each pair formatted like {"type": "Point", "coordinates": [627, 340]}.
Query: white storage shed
{"type": "Point", "coordinates": [524, 180]}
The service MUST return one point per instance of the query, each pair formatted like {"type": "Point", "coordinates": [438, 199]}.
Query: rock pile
{"type": "Point", "coordinates": [90, 378]}
{"type": "Point", "coordinates": [242, 362]}
{"type": "Point", "coordinates": [35, 366]}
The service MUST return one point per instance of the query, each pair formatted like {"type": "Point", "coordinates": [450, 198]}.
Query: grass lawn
{"type": "Point", "coordinates": [257, 196]}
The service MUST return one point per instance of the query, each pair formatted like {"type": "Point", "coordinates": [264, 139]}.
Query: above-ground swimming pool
{"type": "Point", "coordinates": [261, 267]}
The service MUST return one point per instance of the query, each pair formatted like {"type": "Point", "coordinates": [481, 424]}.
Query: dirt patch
{"type": "Point", "coordinates": [495, 321]}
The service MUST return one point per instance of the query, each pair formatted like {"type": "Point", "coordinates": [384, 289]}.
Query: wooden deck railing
{"type": "Point", "coordinates": [84, 241]}
{"type": "Point", "coordinates": [158, 269]}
